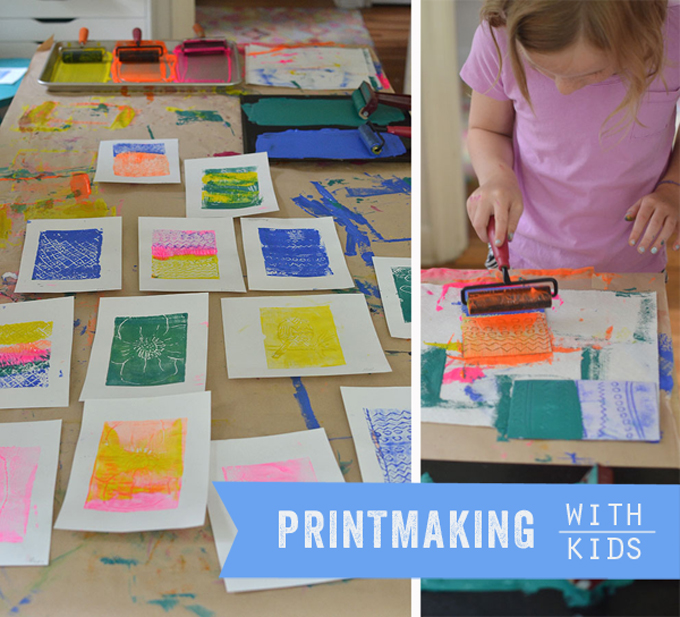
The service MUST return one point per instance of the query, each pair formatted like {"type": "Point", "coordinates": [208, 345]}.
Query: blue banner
{"type": "Point", "coordinates": [556, 531]}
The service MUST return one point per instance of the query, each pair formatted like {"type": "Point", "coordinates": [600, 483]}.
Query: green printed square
{"type": "Point", "coordinates": [402, 281]}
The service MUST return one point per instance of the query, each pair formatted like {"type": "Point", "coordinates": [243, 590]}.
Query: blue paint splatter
{"type": "Point", "coordinates": [298, 253]}
{"type": "Point", "coordinates": [666, 363]}
{"type": "Point", "coordinates": [356, 225]}
{"type": "Point", "coordinates": [474, 395]}
{"type": "Point", "coordinates": [389, 186]}
{"type": "Point", "coordinates": [147, 148]}
{"type": "Point", "coordinates": [302, 397]}
{"type": "Point", "coordinates": [336, 144]}
{"type": "Point", "coordinates": [68, 255]}
{"type": "Point", "coordinates": [76, 323]}
{"type": "Point", "coordinates": [366, 288]}
{"type": "Point", "coordinates": [118, 561]}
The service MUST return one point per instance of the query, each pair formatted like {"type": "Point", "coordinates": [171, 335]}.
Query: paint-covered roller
{"type": "Point", "coordinates": [74, 55]}
{"type": "Point", "coordinates": [203, 46]}
{"type": "Point", "coordinates": [373, 140]}
{"type": "Point", "coordinates": [366, 100]}
{"type": "Point", "coordinates": [508, 296]}
{"type": "Point", "coordinates": [139, 51]}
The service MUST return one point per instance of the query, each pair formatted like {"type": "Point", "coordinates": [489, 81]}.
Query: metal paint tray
{"type": "Point", "coordinates": [47, 76]}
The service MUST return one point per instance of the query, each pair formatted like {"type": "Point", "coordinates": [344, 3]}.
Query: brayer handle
{"type": "Point", "coordinates": [83, 35]}
{"type": "Point", "coordinates": [137, 36]}
{"type": "Point", "coordinates": [501, 253]}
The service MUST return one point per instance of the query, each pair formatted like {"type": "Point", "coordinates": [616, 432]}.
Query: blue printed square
{"type": "Point", "coordinates": [68, 255]}
{"type": "Point", "coordinates": [298, 253]}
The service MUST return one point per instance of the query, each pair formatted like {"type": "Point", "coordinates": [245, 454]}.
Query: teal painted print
{"type": "Point", "coordinates": [148, 351]}
{"type": "Point", "coordinates": [402, 281]}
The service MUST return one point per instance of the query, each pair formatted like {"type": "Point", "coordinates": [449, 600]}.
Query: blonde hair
{"type": "Point", "coordinates": [630, 30]}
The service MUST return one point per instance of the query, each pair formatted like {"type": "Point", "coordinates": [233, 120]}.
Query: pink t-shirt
{"type": "Point", "coordinates": [578, 185]}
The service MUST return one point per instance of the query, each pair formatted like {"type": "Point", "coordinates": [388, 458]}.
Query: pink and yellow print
{"type": "Point", "coordinates": [184, 254]}
{"type": "Point", "coordinates": [300, 337]}
{"type": "Point", "coordinates": [292, 470]}
{"type": "Point", "coordinates": [139, 466]}
{"type": "Point", "coordinates": [18, 467]}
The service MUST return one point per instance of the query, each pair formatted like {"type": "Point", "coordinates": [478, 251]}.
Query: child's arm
{"type": "Point", "coordinates": [490, 145]}
{"type": "Point", "coordinates": [659, 211]}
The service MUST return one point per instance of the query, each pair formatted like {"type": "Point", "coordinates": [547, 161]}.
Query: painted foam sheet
{"type": "Point", "coordinates": [294, 254]}
{"type": "Point", "coordinates": [36, 338]}
{"type": "Point", "coordinates": [29, 456]}
{"type": "Point", "coordinates": [596, 335]}
{"type": "Point", "coordinates": [138, 161]}
{"type": "Point", "coordinates": [188, 255]}
{"type": "Point", "coordinates": [297, 336]}
{"type": "Point", "coordinates": [394, 280]}
{"type": "Point", "coordinates": [148, 346]}
{"type": "Point", "coordinates": [304, 456]}
{"type": "Point", "coordinates": [380, 421]}
{"type": "Point", "coordinates": [139, 465]}
{"type": "Point", "coordinates": [71, 255]}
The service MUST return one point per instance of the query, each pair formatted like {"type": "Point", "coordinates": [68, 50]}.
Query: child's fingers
{"type": "Point", "coordinates": [644, 213]}
{"type": "Point", "coordinates": [676, 246]}
{"type": "Point", "coordinates": [500, 213]}
{"type": "Point", "coordinates": [479, 212]}
{"type": "Point", "coordinates": [669, 227]}
{"type": "Point", "coordinates": [632, 211]}
{"type": "Point", "coordinates": [654, 226]}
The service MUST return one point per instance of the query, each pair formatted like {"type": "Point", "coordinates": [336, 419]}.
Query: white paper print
{"type": "Point", "coordinates": [140, 465]}
{"type": "Point", "coordinates": [29, 457]}
{"type": "Point", "coordinates": [138, 161]}
{"type": "Point", "coordinates": [394, 281]}
{"type": "Point", "coordinates": [10, 76]}
{"type": "Point", "coordinates": [380, 421]}
{"type": "Point", "coordinates": [305, 456]}
{"type": "Point", "coordinates": [148, 346]}
{"type": "Point", "coordinates": [309, 68]}
{"type": "Point", "coordinates": [298, 336]}
{"type": "Point", "coordinates": [70, 255]}
{"type": "Point", "coordinates": [294, 254]}
{"type": "Point", "coordinates": [596, 335]}
{"type": "Point", "coordinates": [178, 254]}
{"type": "Point", "coordinates": [229, 186]}
{"type": "Point", "coordinates": [36, 338]}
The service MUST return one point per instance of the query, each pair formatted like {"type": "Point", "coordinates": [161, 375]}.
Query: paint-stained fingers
{"type": "Point", "coordinates": [642, 217]}
{"type": "Point", "coordinates": [669, 227]}
{"type": "Point", "coordinates": [654, 226]}
{"type": "Point", "coordinates": [632, 211]}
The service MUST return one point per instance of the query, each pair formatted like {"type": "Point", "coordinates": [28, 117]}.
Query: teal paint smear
{"type": "Point", "coordinates": [402, 281]}
{"type": "Point", "coordinates": [199, 610]}
{"type": "Point", "coordinates": [118, 561]}
{"type": "Point", "coordinates": [504, 385]}
{"type": "Point", "coordinates": [646, 317]}
{"type": "Point", "coordinates": [592, 364]}
{"type": "Point", "coordinates": [432, 365]}
{"type": "Point", "coordinates": [545, 409]}
{"type": "Point", "coordinates": [170, 600]}
{"type": "Point", "coordinates": [297, 111]}
{"type": "Point", "coordinates": [190, 116]}
{"type": "Point", "coordinates": [574, 597]}
{"type": "Point", "coordinates": [148, 128]}
{"type": "Point", "coordinates": [345, 466]}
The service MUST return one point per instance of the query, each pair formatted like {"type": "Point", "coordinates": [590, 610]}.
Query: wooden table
{"type": "Point", "coordinates": [448, 442]}
{"type": "Point", "coordinates": [47, 138]}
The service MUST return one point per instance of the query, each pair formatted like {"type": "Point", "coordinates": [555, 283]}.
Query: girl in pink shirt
{"type": "Point", "coordinates": [572, 122]}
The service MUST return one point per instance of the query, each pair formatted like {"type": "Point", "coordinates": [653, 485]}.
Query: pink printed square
{"type": "Point", "coordinates": [292, 470]}
{"type": "Point", "coordinates": [18, 467]}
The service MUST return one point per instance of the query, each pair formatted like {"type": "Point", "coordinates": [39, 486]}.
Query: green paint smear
{"type": "Point", "coordinates": [199, 610]}
{"type": "Point", "coordinates": [277, 111]}
{"type": "Point", "coordinates": [592, 364]}
{"type": "Point", "coordinates": [545, 409]}
{"type": "Point", "coordinates": [432, 364]}
{"type": "Point", "coordinates": [504, 385]}
{"type": "Point", "coordinates": [647, 316]}
{"type": "Point", "coordinates": [573, 596]}
{"type": "Point", "coordinates": [190, 115]}
{"type": "Point", "coordinates": [118, 561]}
{"type": "Point", "coordinates": [402, 281]}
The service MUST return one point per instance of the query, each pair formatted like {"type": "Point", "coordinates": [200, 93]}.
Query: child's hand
{"type": "Point", "coordinates": [501, 198]}
{"type": "Point", "coordinates": [659, 212]}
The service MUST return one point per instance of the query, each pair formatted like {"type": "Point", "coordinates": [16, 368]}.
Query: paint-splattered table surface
{"type": "Point", "coordinates": [480, 444]}
{"type": "Point", "coordinates": [48, 143]}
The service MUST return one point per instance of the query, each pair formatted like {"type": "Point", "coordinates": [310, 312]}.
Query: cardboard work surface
{"type": "Point", "coordinates": [480, 444]}
{"type": "Point", "coordinates": [48, 145]}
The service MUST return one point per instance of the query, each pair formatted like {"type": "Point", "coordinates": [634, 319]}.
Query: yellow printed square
{"type": "Point", "coordinates": [300, 337]}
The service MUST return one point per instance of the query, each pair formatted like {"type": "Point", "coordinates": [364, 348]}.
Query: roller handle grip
{"type": "Point", "coordinates": [82, 35]}
{"type": "Point", "coordinates": [401, 131]}
{"type": "Point", "coordinates": [501, 253]}
{"type": "Point", "coordinates": [401, 101]}
{"type": "Point", "coordinates": [199, 31]}
{"type": "Point", "coordinates": [137, 36]}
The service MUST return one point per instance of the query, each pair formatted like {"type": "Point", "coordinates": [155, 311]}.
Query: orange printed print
{"type": "Point", "coordinates": [505, 339]}
{"type": "Point", "coordinates": [140, 160]}
{"type": "Point", "coordinates": [139, 466]}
